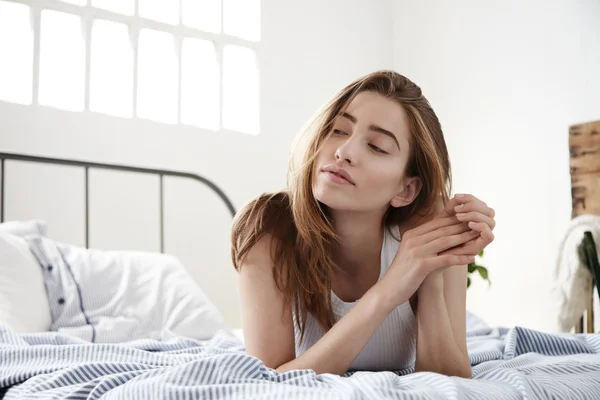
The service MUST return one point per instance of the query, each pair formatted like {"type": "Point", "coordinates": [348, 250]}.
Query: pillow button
{"type": "Point", "coordinates": [50, 267]}
{"type": "Point", "coordinates": [61, 301]}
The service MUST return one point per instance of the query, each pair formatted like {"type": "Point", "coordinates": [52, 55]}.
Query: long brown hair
{"type": "Point", "coordinates": [301, 232]}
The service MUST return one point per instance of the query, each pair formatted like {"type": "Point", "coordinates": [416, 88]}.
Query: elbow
{"type": "Point", "coordinates": [458, 369]}
{"type": "Point", "coordinates": [465, 372]}
{"type": "Point", "coordinates": [277, 365]}
{"type": "Point", "coordinates": [462, 370]}
{"type": "Point", "coordinates": [282, 368]}
{"type": "Point", "coordinates": [295, 365]}
{"type": "Point", "coordinates": [278, 361]}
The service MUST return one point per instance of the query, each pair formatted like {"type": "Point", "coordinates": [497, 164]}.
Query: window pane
{"type": "Point", "coordinates": [126, 7]}
{"type": "Point", "coordinates": [157, 77]}
{"type": "Point", "coordinates": [240, 90]}
{"type": "Point", "coordinates": [111, 70]}
{"type": "Point", "coordinates": [16, 49]}
{"type": "Point", "coordinates": [205, 14]}
{"type": "Point", "coordinates": [160, 10]}
{"type": "Point", "coordinates": [200, 84]}
{"type": "Point", "coordinates": [242, 19]}
{"type": "Point", "coordinates": [62, 61]}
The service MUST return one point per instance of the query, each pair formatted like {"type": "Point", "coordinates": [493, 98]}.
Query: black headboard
{"type": "Point", "coordinates": [87, 165]}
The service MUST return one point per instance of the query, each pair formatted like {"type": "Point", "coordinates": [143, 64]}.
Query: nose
{"type": "Point", "coordinates": [346, 153]}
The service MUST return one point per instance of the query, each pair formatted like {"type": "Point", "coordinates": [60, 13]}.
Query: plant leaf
{"type": "Point", "coordinates": [481, 253]}
{"type": "Point", "coordinates": [483, 272]}
{"type": "Point", "coordinates": [472, 267]}
{"type": "Point", "coordinates": [468, 282]}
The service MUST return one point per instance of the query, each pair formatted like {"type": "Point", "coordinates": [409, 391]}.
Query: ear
{"type": "Point", "coordinates": [412, 187]}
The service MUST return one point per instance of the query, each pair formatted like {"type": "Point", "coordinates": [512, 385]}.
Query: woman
{"type": "Point", "coordinates": [325, 281]}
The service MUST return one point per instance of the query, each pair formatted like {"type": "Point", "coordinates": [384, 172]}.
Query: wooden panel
{"type": "Point", "coordinates": [584, 147]}
{"type": "Point", "coordinates": [585, 190]}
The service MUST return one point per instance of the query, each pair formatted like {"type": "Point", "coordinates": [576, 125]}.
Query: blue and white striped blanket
{"type": "Point", "coordinates": [515, 363]}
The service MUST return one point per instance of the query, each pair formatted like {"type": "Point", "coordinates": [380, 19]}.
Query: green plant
{"type": "Point", "coordinates": [483, 272]}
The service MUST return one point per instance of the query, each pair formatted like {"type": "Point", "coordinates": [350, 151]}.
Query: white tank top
{"type": "Point", "coordinates": [393, 346]}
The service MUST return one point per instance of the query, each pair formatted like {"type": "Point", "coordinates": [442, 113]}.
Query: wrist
{"type": "Point", "coordinates": [433, 284]}
{"type": "Point", "coordinates": [386, 299]}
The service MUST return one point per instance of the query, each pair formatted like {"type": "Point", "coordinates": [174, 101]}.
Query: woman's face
{"type": "Point", "coordinates": [370, 144]}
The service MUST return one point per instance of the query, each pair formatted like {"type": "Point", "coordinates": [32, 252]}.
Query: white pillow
{"type": "Point", "coordinates": [23, 302]}
{"type": "Point", "coordinates": [118, 296]}
{"type": "Point", "coordinates": [24, 228]}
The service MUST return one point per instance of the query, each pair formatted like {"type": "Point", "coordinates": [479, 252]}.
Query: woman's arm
{"type": "Point", "coordinates": [267, 324]}
{"type": "Point", "coordinates": [268, 327]}
{"type": "Point", "coordinates": [441, 314]}
{"type": "Point", "coordinates": [441, 323]}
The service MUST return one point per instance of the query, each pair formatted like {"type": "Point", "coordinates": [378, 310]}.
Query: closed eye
{"type": "Point", "coordinates": [377, 149]}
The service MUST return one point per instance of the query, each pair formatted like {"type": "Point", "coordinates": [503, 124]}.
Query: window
{"type": "Point", "coordinates": [183, 62]}
{"type": "Point", "coordinates": [240, 86]}
{"type": "Point", "coordinates": [157, 76]}
{"type": "Point", "coordinates": [16, 45]}
{"type": "Point", "coordinates": [200, 89]}
{"type": "Point", "coordinates": [111, 69]}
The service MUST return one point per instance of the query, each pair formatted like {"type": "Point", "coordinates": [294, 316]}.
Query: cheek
{"type": "Point", "coordinates": [384, 176]}
{"type": "Point", "coordinates": [324, 152]}
{"type": "Point", "coordinates": [328, 147]}
{"type": "Point", "coordinates": [384, 182]}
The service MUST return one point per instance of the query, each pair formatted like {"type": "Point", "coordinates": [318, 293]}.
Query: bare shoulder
{"type": "Point", "coordinates": [260, 254]}
{"type": "Point", "coordinates": [256, 224]}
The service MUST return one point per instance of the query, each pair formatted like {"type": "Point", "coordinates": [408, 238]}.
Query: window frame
{"type": "Point", "coordinates": [135, 23]}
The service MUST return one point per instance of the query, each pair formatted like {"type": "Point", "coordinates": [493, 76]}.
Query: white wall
{"type": "Point", "coordinates": [507, 79]}
{"type": "Point", "coordinates": [309, 50]}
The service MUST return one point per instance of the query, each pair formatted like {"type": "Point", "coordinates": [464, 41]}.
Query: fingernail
{"type": "Point", "coordinates": [461, 214]}
{"type": "Point", "coordinates": [471, 223]}
{"type": "Point", "coordinates": [460, 195]}
{"type": "Point", "coordinates": [459, 207]}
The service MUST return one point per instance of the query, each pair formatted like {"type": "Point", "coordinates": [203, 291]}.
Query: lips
{"type": "Point", "coordinates": [337, 174]}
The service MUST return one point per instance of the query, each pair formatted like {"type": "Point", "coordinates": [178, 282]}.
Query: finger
{"type": "Point", "coordinates": [446, 242]}
{"type": "Point", "coordinates": [466, 249]}
{"type": "Point", "coordinates": [471, 248]}
{"type": "Point", "coordinates": [460, 199]}
{"type": "Point", "coordinates": [463, 198]}
{"type": "Point", "coordinates": [475, 216]}
{"type": "Point", "coordinates": [477, 206]}
{"type": "Point", "coordinates": [485, 232]}
{"type": "Point", "coordinates": [483, 228]}
{"type": "Point", "coordinates": [449, 208]}
{"type": "Point", "coordinates": [449, 230]}
{"type": "Point", "coordinates": [474, 246]}
{"type": "Point", "coordinates": [432, 225]}
{"type": "Point", "coordinates": [447, 260]}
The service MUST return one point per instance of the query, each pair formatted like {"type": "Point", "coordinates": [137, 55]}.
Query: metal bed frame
{"type": "Point", "coordinates": [86, 165]}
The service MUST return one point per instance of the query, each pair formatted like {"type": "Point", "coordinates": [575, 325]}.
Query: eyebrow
{"type": "Point", "coordinates": [372, 127]}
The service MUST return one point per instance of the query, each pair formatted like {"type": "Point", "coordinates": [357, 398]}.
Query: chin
{"type": "Point", "coordinates": [334, 199]}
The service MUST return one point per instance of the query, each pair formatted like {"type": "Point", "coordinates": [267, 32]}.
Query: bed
{"type": "Point", "coordinates": [116, 331]}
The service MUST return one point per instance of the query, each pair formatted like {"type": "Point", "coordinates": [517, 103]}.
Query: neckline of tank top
{"type": "Point", "coordinates": [337, 302]}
